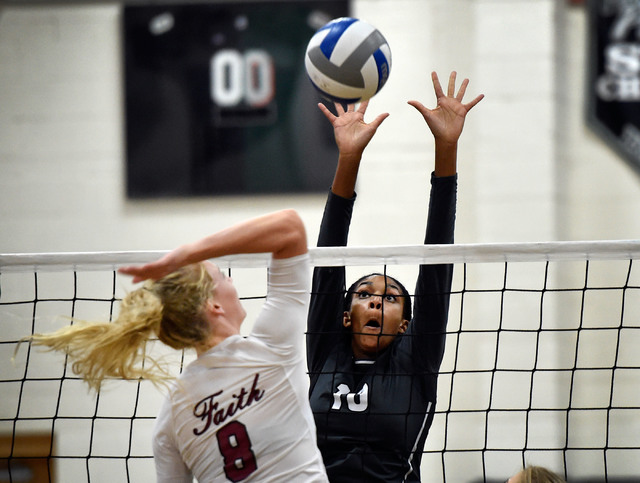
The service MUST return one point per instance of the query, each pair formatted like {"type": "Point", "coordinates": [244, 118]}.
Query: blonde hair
{"type": "Point", "coordinates": [170, 309]}
{"type": "Point", "coordinates": [538, 474]}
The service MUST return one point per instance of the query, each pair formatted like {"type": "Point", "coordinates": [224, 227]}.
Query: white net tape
{"type": "Point", "coordinates": [354, 256]}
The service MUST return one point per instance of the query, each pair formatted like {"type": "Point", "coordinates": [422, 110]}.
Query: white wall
{"type": "Point", "coordinates": [529, 167]}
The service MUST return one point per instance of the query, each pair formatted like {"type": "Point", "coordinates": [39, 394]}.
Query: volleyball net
{"type": "Point", "coordinates": [541, 366]}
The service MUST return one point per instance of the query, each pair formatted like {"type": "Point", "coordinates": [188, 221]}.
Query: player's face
{"type": "Point", "coordinates": [225, 293]}
{"type": "Point", "coordinates": [376, 315]}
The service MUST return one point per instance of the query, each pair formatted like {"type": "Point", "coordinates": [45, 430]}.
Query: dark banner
{"type": "Point", "coordinates": [217, 100]}
{"type": "Point", "coordinates": [614, 81]}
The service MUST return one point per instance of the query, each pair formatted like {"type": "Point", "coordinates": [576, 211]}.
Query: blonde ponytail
{"type": "Point", "coordinates": [539, 474]}
{"type": "Point", "coordinates": [170, 308]}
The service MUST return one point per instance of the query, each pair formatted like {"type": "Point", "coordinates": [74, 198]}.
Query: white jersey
{"type": "Point", "coordinates": [240, 412]}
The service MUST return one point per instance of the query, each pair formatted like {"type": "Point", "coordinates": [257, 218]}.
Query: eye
{"type": "Point", "coordinates": [390, 298]}
{"type": "Point", "coordinates": [363, 294]}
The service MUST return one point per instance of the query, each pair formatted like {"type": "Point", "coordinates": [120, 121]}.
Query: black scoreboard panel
{"type": "Point", "coordinates": [217, 100]}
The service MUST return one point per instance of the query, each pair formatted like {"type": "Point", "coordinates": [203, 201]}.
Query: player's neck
{"type": "Point", "coordinates": [221, 329]}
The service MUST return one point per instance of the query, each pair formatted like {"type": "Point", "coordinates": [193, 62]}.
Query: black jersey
{"type": "Point", "coordinates": [372, 417]}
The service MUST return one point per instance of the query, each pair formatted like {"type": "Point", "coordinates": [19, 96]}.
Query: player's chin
{"type": "Point", "coordinates": [374, 343]}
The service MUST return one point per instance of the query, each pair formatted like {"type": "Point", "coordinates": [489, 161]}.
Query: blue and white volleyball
{"type": "Point", "coordinates": [348, 60]}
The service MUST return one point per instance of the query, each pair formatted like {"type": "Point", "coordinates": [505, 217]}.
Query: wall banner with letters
{"type": "Point", "coordinates": [614, 78]}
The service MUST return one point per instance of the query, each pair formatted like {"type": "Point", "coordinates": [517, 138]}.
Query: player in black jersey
{"type": "Point", "coordinates": [373, 367]}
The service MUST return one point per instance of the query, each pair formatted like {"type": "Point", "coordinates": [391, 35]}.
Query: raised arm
{"type": "Point", "coordinates": [281, 233]}
{"type": "Point", "coordinates": [433, 287]}
{"type": "Point", "coordinates": [352, 135]}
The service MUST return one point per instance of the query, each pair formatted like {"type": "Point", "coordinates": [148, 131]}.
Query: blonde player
{"type": "Point", "coordinates": [239, 412]}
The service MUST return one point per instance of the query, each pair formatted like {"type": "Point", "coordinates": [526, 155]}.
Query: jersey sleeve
{"type": "Point", "coordinates": [281, 320]}
{"type": "Point", "coordinates": [433, 287]}
{"type": "Point", "coordinates": [170, 468]}
{"type": "Point", "coordinates": [327, 291]}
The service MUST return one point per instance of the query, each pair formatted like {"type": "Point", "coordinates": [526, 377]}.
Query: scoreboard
{"type": "Point", "coordinates": [217, 100]}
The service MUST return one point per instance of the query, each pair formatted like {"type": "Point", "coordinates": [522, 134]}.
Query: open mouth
{"type": "Point", "coordinates": [373, 324]}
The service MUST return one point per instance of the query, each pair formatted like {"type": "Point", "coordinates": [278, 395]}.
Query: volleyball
{"type": "Point", "coordinates": [348, 60]}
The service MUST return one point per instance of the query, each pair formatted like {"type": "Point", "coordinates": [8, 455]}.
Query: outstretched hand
{"type": "Point", "coordinates": [351, 133]}
{"type": "Point", "coordinates": [153, 270]}
{"type": "Point", "coordinates": [446, 120]}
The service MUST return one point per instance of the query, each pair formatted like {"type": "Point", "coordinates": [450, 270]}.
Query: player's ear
{"type": "Point", "coordinates": [213, 307]}
{"type": "Point", "coordinates": [403, 326]}
{"type": "Point", "coordinates": [346, 319]}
